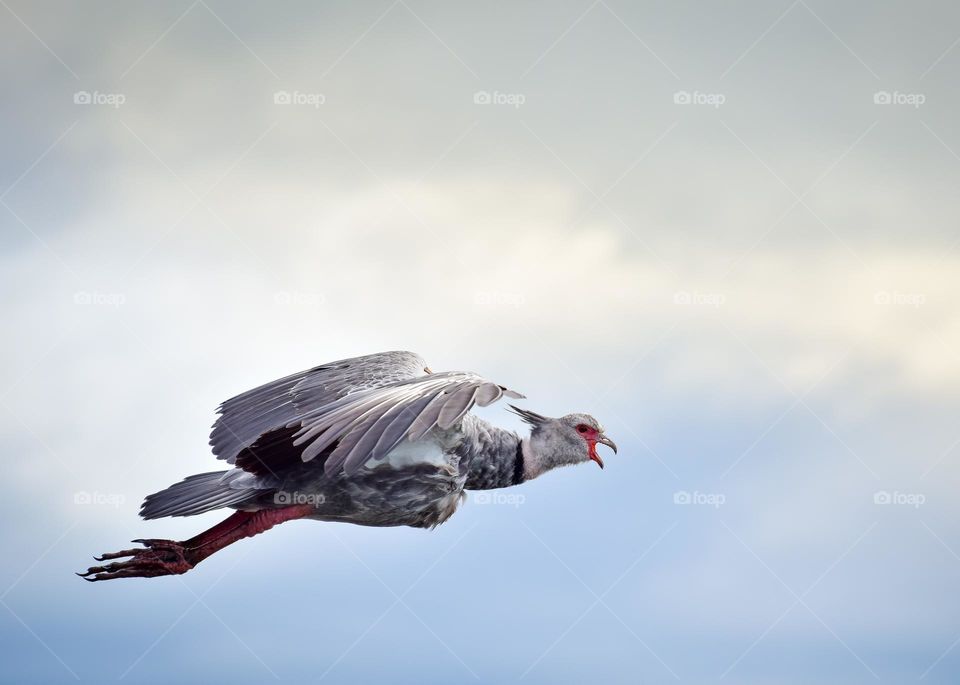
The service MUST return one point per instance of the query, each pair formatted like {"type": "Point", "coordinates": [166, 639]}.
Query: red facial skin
{"type": "Point", "coordinates": [591, 435]}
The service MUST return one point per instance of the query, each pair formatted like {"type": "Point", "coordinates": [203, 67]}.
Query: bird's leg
{"type": "Point", "coordinates": [167, 557]}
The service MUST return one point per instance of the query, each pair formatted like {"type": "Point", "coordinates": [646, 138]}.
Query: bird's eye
{"type": "Point", "coordinates": [582, 428]}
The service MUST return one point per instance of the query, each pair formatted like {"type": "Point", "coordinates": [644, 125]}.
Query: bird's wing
{"type": "Point", "coordinates": [351, 410]}
{"type": "Point", "coordinates": [369, 424]}
{"type": "Point", "coordinates": [272, 406]}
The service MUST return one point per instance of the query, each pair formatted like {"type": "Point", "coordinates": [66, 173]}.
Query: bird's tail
{"type": "Point", "coordinates": [199, 494]}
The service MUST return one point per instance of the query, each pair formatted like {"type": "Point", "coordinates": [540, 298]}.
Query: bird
{"type": "Point", "coordinates": [376, 440]}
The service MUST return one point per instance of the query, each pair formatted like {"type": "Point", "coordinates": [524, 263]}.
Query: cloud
{"type": "Point", "coordinates": [598, 248]}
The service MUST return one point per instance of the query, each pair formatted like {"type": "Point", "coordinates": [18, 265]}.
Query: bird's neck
{"type": "Point", "coordinates": [496, 458]}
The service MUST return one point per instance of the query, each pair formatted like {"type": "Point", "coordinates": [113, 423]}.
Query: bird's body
{"type": "Point", "coordinates": [376, 441]}
{"type": "Point", "coordinates": [418, 483]}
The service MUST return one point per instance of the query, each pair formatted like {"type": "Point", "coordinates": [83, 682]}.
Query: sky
{"type": "Point", "coordinates": [726, 230]}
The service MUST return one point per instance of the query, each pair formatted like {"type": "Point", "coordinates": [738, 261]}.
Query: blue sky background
{"type": "Point", "coordinates": [727, 231]}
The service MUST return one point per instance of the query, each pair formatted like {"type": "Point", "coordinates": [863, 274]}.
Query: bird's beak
{"type": "Point", "coordinates": [603, 440]}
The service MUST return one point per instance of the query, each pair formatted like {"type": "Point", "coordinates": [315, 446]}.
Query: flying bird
{"type": "Point", "coordinates": [378, 440]}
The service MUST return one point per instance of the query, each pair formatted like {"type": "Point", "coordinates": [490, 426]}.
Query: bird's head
{"type": "Point", "coordinates": [570, 439]}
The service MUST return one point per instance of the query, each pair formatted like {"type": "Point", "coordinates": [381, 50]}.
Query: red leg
{"type": "Point", "coordinates": [167, 557]}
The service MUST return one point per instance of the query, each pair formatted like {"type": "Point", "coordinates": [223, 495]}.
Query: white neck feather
{"type": "Point", "coordinates": [531, 463]}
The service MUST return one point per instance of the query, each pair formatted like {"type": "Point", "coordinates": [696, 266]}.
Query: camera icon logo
{"type": "Point", "coordinates": [481, 97]}
{"type": "Point", "coordinates": [881, 497]}
{"type": "Point", "coordinates": [681, 497]}
{"type": "Point", "coordinates": [882, 97]}
{"type": "Point", "coordinates": [681, 97]}
{"type": "Point", "coordinates": [82, 97]}
{"type": "Point", "coordinates": [282, 97]}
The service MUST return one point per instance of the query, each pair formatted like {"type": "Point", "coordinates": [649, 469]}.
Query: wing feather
{"type": "Point", "coordinates": [488, 393]}
{"type": "Point", "coordinates": [394, 433]}
{"type": "Point", "coordinates": [428, 417]}
{"type": "Point", "coordinates": [458, 404]}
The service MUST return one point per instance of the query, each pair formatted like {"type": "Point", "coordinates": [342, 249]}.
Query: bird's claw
{"type": "Point", "coordinates": [156, 558]}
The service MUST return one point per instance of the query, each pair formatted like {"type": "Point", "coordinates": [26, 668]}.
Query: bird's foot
{"type": "Point", "coordinates": [155, 558]}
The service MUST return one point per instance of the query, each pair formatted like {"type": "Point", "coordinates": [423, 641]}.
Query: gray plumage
{"type": "Point", "coordinates": [378, 440]}
{"type": "Point", "coordinates": [200, 493]}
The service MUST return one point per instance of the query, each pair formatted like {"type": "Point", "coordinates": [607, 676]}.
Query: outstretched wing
{"type": "Point", "coordinates": [352, 410]}
{"type": "Point", "coordinates": [246, 417]}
